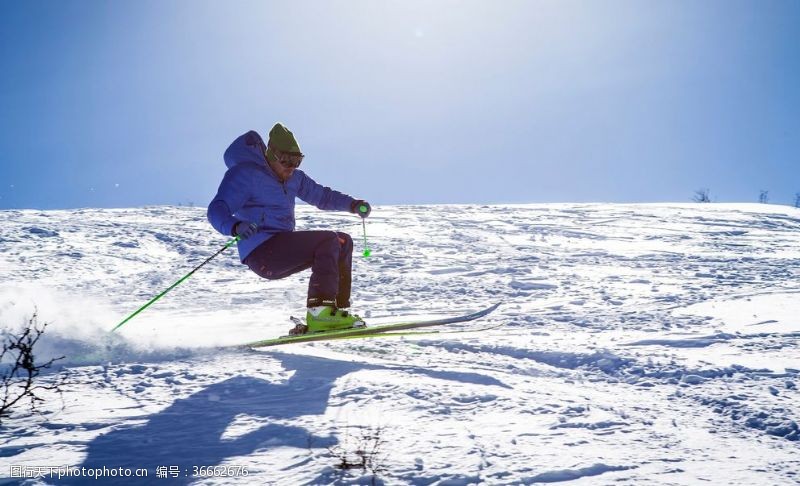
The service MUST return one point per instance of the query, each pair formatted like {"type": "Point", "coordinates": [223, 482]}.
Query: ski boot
{"type": "Point", "coordinates": [329, 318]}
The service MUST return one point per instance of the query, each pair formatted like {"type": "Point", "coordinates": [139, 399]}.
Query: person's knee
{"type": "Point", "coordinates": [345, 241]}
{"type": "Point", "coordinates": [327, 243]}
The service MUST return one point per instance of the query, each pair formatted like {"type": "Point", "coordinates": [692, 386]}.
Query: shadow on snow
{"type": "Point", "coordinates": [189, 432]}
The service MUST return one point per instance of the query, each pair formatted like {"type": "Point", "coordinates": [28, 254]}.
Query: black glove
{"type": "Point", "coordinates": [361, 208]}
{"type": "Point", "coordinates": [244, 230]}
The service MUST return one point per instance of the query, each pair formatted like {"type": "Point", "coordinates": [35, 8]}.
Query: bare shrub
{"type": "Point", "coordinates": [19, 383]}
{"type": "Point", "coordinates": [702, 196]}
{"type": "Point", "coordinates": [363, 452]}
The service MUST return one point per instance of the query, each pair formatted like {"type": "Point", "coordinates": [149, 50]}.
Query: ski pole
{"type": "Point", "coordinates": [367, 252]}
{"type": "Point", "coordinates": [363, 211]}
{"type": "Point", "coordinates": [227, 245]}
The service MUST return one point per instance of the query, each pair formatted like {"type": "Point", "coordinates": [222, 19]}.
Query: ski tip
{"type": "Point", "coordinates": [489, 309]}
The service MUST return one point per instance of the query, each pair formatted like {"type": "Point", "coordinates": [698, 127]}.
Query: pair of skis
{"type": "Point", "coordinates": [404, 328]}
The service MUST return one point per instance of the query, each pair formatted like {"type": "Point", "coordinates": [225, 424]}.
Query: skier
{"type": "Point", "coordinates": [255, 201]}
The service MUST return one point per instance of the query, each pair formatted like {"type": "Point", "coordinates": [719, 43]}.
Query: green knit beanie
{"type": "Point", "coordinates": [283, 139]}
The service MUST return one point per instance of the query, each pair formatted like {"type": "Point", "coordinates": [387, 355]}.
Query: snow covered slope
{"type": "Point", "coordinates": [641, 344]}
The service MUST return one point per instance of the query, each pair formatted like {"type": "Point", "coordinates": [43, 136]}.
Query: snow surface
{"type": "Point", "coordinates": [640, 344]}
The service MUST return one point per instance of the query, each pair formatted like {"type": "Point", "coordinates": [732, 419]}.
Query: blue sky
{"type": "Point", "coordinates": [130, 103]}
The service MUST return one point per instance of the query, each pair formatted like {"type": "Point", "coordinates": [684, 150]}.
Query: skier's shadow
{"type": "Point", "coordinates": [192, 431]}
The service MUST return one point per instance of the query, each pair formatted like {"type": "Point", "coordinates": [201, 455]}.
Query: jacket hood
{"type": "Point", "coordinates": [247, 148]}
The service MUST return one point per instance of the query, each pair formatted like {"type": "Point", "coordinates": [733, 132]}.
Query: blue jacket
{"type": "Point", "coordinates": [250, 191]}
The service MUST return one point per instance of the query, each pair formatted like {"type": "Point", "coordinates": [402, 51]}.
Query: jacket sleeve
{"type": "Point", "coordinates": [323, 197]}
{"type": "Point", "coordinates": [233, 193]}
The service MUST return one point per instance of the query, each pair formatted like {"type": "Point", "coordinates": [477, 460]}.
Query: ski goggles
{"type": "Point", "coordinates": [290, 160]}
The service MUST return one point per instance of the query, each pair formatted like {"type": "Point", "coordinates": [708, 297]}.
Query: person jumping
{"type": "Point", "coordinates": [256, 200]}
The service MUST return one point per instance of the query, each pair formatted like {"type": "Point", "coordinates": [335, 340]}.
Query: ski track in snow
{"type": "Point", "coordinates": [640, 344]}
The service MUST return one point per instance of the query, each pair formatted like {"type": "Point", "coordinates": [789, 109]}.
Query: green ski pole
{"type": "Point", "coordinates": [363, 211]}
{"type": "Point", "coordinates": [367, 252]}
{"type": "Point", "coordinates": [154, 299]}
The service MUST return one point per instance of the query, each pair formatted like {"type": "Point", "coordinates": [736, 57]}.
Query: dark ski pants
{"type": "Point", "coordinates": [329, 255]}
